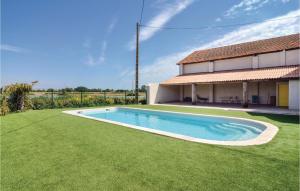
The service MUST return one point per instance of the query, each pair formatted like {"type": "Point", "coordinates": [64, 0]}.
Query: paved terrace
{"type": "Point", "coordinates": [237, 107]}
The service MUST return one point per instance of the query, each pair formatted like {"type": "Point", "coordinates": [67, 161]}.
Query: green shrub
{"type": "Point", "coordinates": [143, 101]}
{"type": "Point", "coordinates": [130, 101]}
{"type": "Point", "coordinates": [15, 98]}
{"type": "Point", "coordinates": [41, 102]}
{"type": "Point", "coordinates": [62, 101]}
{"type": "Point", "coordinates": [130, 94]}
{"type": "Point", "coordinates": [109, 101]}
{"type": "Point", "coordinates": [119, 100]}
{"type": "Point", "coordinates": [4, 106]}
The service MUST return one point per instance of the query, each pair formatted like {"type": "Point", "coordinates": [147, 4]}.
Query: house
{"type": "Point", "coordinates": [263, 72]}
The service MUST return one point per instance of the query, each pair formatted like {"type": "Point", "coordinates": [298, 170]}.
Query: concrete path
{"type": "Point", "coordinates": [252, 109]}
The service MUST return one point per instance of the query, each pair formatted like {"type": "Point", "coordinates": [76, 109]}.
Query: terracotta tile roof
{"type": "Point", "coordinates": [286, 72]}
{"type": "Point", "coordinates": [244, 49]}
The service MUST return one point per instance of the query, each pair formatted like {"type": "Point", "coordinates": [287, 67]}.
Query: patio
{"type": "Point", "coordinates": [252, 108]}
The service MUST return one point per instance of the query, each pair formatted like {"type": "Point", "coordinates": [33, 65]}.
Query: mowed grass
{"type": "Point", "coordinates": [49, 150]}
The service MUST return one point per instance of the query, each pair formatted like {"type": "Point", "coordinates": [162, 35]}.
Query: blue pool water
{"type": "Point", "coordinates": [203, 127]}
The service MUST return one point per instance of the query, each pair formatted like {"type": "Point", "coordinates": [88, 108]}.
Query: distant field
{"type": "Point", "coordinates": [107, 94]}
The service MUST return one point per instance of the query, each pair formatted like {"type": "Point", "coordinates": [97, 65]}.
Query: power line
{"type": "Point", "coordinates": [212, 27]}
{"type": "Point", "coordinates": [141, 17]}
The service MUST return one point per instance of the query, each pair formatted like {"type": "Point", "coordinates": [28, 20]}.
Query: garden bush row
{"type": "Point", "coordinates": [43, 102]}
{"type": "Point", "coordinates": [17, 98]}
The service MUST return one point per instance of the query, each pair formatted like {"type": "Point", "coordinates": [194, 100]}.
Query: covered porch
{"type": "Point", "coordinates": [268, 87]}
{"type": "Point", "coordinates": [234, 93]}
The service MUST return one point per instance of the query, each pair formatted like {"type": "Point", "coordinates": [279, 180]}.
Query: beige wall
{"type": "Point", "coordinates": [282, 58]}
{"type": "Point", "coordinates": [269, 60]}
{"type": "Point", "coordinates": [223, 91]}
{"type": "Point", "coordinates": [196, 68]}
{"type": "Point", "coordinates": [293, 57]}
{"type": "Point", "coordinates": [235, 63]}
{"type": "Point", "coordinates": [227, 90]}
{"type": "Point", "coordinates": [187, 91]}
{"type": "Point", "coordinates": [262, 89]}
{"type": "Point", "coordinates": [252, 90]}
{"type": "Point", "coordinates": [266, 89]}
{"type": "Point", "coordinates": [162, 94]}
{"type": "Point", "coordinates": [202, 90]}
{"type": "Point", "coordinates": [180, 69]}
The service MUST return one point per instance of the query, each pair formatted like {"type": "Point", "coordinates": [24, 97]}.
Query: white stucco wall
{"type": "Point", "coordinates": [269, 60]}
{"type": "Point", "coordinates": [266, 89]}
{"type": "Point", "coordinates": [262, 89]}
{"type": "Point", "coordinates": [196, 67]}
{"type": "Point", "coordinates": [187, 91]}
{"type": "Point", "coordinates": [234, 63]}
{"type": "Point", "coordinates": [202, 90]}
{"type": "Point", "coordinates": [294, 94]}
{"type": "Point", "coordinates": [293, 57]}
{"type": "Point", "coordinates": [252, 90]}
{"type": "Point", "coordinates": [282, 58]}
{"type": "Point", "coordinates": [227, 90]}
{"type": "Point", "coordinates": [180, 69]}
{"type": "Point", "coordinates": [255, 62]}
{"type": "Point", "coordinates": [162, 94]}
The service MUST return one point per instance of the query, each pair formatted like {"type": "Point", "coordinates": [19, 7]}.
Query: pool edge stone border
{"type": "Point", "coordinates": [266, 136]}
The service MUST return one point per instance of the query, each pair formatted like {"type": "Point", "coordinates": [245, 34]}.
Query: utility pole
{"type": "Point", "coordinates": [137, 64]}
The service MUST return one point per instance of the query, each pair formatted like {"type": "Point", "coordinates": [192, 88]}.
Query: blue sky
{"type": "Point", "coordinates": [68, 43]}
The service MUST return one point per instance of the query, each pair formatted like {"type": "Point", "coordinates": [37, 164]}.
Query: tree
{"type": "Point", "coordinates": [143, 88]}
{"type": "Point", "coordinates": [67, 89]}
{"type": "Point", "coordinates": [81, 89]}
{"type": "Point", "coordinates": [108, 90]}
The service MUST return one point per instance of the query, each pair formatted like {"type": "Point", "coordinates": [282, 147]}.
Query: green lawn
{"type": "Point", "coordinates": [49, 150]}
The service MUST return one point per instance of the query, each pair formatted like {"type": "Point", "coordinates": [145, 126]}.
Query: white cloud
{"type": "Point", "coordinates": [218, 19]}
{"type": "Point", "coordinates": [112, 25]}
{"type": "Point", "coordinates": [165, 67]}
{"type": "Point", "coordinates": [246, 6]}
{"type": "Point", "coordinates": [91, 61]}
{"type": "Point", "coordinates": [103, 52]}
{"type": "Point", "coordinates": [10, 48]}
{"type": "Point", "coordinates": [160, 20]}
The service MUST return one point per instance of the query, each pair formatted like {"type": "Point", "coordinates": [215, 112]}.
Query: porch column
{"type": "Point", "coordinates": [245, 94]}
{"type": "Point", "coordinates": [211, 93]}
{"type": "Point", "coordinates": [181, 93]}
{"type": "Point", "coordinates": [193, 94]}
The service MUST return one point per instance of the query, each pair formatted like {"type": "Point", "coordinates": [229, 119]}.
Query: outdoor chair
{"type": "Point", "coordinates": [255, 99]}
{"type": "Point", "coordinates": [237, 100]}
{"type": "Point", "coordinates": [187, 99]}
{"type": "Point", "coordinates": [202, 99]}
{"type": "Point", "coordinates": [227, 99]}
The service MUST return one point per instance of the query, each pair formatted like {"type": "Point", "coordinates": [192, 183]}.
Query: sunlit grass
{"type": "Point", "coordinates": [49, 150]}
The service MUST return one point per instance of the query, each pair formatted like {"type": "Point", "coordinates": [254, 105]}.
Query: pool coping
{"type": "Point", "coordinates": [266, 136]}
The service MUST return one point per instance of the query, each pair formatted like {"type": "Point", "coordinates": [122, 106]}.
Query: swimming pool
{"type": "Point", "coordinates": [191, 127]}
